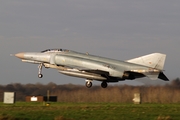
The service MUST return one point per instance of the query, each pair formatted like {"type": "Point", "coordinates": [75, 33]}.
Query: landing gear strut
{"type": "Point", "coordinates": [104, 84]}
{"type": "Point", "coordinates": [88, 83]}
{"type": "Point", "coordinates": [40, 75]}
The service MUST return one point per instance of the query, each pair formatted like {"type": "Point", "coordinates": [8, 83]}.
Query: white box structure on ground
{"type": "Point", "coordinates": [9, 97]}
{"type": "Point", "coordinates": [137, 98]}
{"type": "Point", "coordinates": [34, 98]}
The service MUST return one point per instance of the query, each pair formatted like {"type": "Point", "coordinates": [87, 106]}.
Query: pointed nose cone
{"type": "Point", "coordinates": [20, 55]}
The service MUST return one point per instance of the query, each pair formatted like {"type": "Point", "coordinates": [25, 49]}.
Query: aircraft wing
{"type": "Point", "coordinates": [94, 71]}
{"type": "Point", "coordinates": [88, 70]}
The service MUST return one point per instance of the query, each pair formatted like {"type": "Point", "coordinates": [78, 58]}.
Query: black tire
{"type": "Point", "coordinates": [104, 84]}
{"type": "Point", "coordinates": [40, 75]}
{"type": "Point", "coordinates": [88, 84]}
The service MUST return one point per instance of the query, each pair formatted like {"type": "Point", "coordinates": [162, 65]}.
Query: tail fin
{"type": "Point", "coordinates": [154, 60]}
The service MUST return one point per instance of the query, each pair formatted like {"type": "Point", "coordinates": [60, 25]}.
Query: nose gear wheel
{"type": "Point", "coordinates": [40, 75]}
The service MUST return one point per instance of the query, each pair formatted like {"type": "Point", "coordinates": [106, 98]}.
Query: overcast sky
{"type": "Point", "coordinates": [119, 29]}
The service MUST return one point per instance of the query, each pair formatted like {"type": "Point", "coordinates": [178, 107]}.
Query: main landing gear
{"type": "Point", "coordinates": [89, 84]}
{"type": "Point", "coordinates": [40, 75]}
{"type": "Point", "coordinates": [104, 84]}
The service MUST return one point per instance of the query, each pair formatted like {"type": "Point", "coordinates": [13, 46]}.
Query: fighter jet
{"type": "Point", "coordinates": [91, 67]}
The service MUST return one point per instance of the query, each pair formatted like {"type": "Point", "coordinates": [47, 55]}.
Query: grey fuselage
{"type": "Point", "coordinates": [88, 66]}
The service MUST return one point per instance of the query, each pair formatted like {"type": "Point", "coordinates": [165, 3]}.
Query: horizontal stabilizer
{"type": "Point", "coordinates": [162, 76]}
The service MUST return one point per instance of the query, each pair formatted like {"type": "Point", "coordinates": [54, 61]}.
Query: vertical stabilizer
{"type": "Point", "coordinates": [154, 60]}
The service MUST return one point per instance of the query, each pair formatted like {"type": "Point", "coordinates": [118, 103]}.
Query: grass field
{"type": "Point", "coordinates": [89, 111]}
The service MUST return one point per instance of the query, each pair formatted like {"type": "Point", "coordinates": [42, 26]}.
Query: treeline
{"type": "Point", "coordinates": [169, 93]}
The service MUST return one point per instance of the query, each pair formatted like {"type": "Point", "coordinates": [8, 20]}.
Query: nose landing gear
{"type": "Point", "coordinates": [40, 75]}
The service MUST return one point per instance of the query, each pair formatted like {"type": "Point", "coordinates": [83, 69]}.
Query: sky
{"type": "Point", "coordinates": [118, 29]}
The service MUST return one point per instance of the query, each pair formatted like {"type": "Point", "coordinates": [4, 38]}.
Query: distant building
{"type": "Point", "coordinates": [34, 99]}
{"type": "Point", "coordinates": [41, 99]}
{"type": "Point", "coordinates": [51, 99]}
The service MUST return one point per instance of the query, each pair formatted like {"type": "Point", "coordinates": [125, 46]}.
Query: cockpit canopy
{"type": "Point", "coordinates": [54, 50]}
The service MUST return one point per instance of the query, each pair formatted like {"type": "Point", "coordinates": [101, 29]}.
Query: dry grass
{"type": "Point", "coordinates": [164, 118]}
{"type": "Point", "coordinates": [61, 118]}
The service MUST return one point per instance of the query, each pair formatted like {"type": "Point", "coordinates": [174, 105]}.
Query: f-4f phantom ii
{"type": "Point", "coordinates": [98, 68]}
